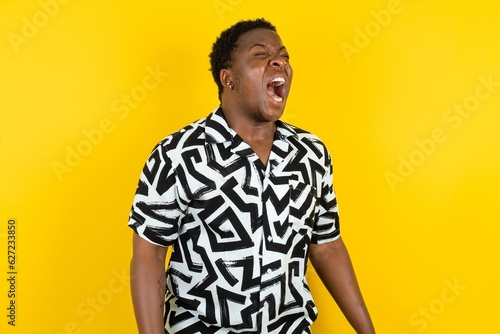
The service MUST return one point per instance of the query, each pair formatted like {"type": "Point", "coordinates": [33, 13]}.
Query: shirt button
{"type": "Point", "coordinates": [269, 238]}
{"type": "Point", "coordinates": [269, 271]}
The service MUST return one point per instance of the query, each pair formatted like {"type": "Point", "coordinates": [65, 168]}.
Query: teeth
{"type": "Point", "coordinates": [277, 98]}
{"type": "Point", "coordinates": [279, 80]}
{"type": "Point", "coordinates": [276, 82]}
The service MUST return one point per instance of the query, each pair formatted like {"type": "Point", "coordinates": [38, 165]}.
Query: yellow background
{"type": "Point", "coordinates": [382, 82]}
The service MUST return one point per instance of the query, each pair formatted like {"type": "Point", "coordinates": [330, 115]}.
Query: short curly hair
{"type": "Point", "coordinates": [223, 48]}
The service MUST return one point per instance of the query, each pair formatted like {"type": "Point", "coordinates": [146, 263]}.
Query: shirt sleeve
{"type": "Point", "coordinates": [327, 227]}
{"type": "Point", "coordinates": [157, 208]}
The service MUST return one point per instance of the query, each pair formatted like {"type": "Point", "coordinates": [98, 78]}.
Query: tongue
{"type": "Point", "coordinates": [275, 92]}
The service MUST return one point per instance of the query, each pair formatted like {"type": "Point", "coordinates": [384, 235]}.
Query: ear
{"type": "Point", "coordinates": [226, 78]}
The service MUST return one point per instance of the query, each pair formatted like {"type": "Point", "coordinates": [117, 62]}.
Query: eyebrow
{"type": "Point", "coordinates": [265, 46]}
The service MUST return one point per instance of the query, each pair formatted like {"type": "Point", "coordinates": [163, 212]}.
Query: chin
{"type": "Point", "coordinates": [274, 112]}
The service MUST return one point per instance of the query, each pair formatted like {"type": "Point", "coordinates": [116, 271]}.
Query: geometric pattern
{"type": "Point", "coordinates": [239, 231]}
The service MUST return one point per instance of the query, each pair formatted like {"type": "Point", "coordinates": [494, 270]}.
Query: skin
{"type": "Point", "coordinates": [334, 267]}
{"type": "Point", "coordinates": [248, 107]}
{"type": "Point", "coordinates": [147, 281]}
{"type": "Point", "coordinates": [252, 112]}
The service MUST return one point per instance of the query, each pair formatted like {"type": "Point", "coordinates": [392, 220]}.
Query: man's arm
{"type": "Point", "coordinates": [333, 266]}
{"type": "Point", "coordinates": [147, 277]}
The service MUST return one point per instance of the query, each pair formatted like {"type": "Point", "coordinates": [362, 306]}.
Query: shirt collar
{"type": "Point", "coordinates": [218, 131]}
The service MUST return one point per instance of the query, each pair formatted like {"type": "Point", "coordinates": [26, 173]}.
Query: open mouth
{"type": "Point", "coordinates": [276, 89]}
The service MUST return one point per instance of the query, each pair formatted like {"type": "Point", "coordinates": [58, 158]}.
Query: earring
{"type": "Point", "coordinates": [230, 85]}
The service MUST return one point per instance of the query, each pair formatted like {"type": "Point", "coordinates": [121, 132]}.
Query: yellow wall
{"type": "Point", "coordinates": [406, 94]}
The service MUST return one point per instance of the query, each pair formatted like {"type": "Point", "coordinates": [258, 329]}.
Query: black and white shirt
{"type": "Point", "coordinates": [240, 232]}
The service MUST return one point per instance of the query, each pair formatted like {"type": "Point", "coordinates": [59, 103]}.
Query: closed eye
{"type": "Point", "coordinates": [262, 54]}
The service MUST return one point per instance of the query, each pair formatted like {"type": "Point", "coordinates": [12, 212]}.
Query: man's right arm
{"type": "Point", "coordinates": [147, 279]}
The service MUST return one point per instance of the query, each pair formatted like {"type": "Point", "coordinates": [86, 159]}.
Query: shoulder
{"type": "Point", "coordinates": [170, 149]}
{"type": "Point", "coordinates": [192, 134]}
{"type": "Point", "coordinates": [307, 139]}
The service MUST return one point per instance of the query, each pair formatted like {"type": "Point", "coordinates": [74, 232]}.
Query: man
{"type": "Point", "coordinates": [244, 200]}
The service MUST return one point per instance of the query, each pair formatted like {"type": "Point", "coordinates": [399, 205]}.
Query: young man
{"type": "Point", "coordinates": [244, 200]}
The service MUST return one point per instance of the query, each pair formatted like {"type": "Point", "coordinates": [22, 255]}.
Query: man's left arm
{"type": "Point", "coordinates": [333, 266]}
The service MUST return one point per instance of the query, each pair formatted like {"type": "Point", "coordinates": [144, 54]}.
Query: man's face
{"type": "Point", "coordinates": [262, 75]}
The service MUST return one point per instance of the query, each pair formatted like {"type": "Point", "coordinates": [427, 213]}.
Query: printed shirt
{"type": "Point", "coordinates": [239, 231]}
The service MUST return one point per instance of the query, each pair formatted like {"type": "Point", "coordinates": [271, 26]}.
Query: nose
{"type": "Point", "coordinates": [278, 62]}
